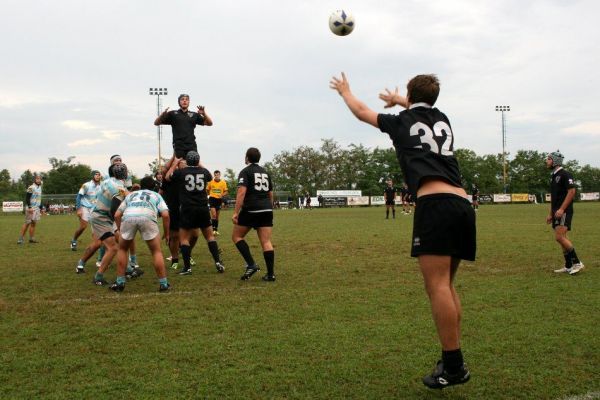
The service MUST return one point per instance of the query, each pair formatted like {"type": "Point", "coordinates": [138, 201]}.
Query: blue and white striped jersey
{"type": "Point", "coordinates": [109, 188]}
{"type": "Point", "coordinates": [88, 193]}
{"type": "Point", "coordinates": [36, 195]}
{"type": "Point", "coordinates": [143, 204]}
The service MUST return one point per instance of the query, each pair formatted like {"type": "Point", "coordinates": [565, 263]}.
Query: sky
{"type": "Point", "coordinates": [75, 75]}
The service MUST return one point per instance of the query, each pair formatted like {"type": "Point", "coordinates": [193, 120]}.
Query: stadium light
{"type": "Point", "coordinates": [502, 110]}
{"type": "Point", "coordinates": [158, 92]}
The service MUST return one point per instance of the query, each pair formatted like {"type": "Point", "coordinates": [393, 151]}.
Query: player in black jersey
{"type": "Point", "coordinates": [254, 209]}
{"type": "Point", "coordinates": [405, 197]}
{"type": "Point", "coordinates": [562, 193]}
{"type": "Point", "coordinates": [170, 193]}
{"type": "Point", "coordinates": [444, 221]}
{"type": "Point", "coordinates": [183, 122]}
{"type": "Point", "coordinates": [390, 199]}
{"type": "Point", "coordinates": [193, 211]}
{"type": "Point", "coordinates": [475, 196]}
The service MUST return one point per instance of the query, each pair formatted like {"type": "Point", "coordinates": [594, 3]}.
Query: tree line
{"type": "Point", "coordinates": [331, 167]}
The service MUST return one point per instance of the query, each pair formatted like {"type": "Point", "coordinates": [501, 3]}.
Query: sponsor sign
{"type": "Point", "coordinates": [358, 200]}
{"type": "Point", "coordinates": [12, 206]}
{"type": "Point", "coordinates": [547, 197]}
{"type": "Point", "coordinates": [334, 193]}
{"type": "Point", "coordinates": [501, 198]}
{"type": "Point", "coordinates": [519, 197]}
{"type": "Point", "coordinates": [377, 200]}
{"type": "Point", "coordinates": [337, 201]}
{"type": "Point", "coordinates": [590, 196]}
{"type": "Point", "coordinates": [486, 198]}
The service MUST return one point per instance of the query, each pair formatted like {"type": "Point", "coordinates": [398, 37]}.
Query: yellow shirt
{"type": "Point", "coordinates": [217, 189]}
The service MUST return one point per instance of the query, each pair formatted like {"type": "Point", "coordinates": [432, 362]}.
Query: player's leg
{"type": "Point", "coordinates": [133, 256]}
{"type": "Point", "coordinates": [123, 248]}
{"type": "Point", "coordinates": [213, 218]}
{"type": "Point", "coordinates": [159, 264]}
{"type": "Point", "coordinates": [264, 235]}
{"type": "Point", "coordinates": [22, 232]}
{"type": "Point", "coordinates": [393, 210]}
{"type": "Point", "coordinates": [237, 236]}
{"type": "Point", "coordinates": [83, 217]}
{"type": "Point", "coordinates": [32, 231]}
{"type": "Point", "coordinates": [213, 247]}
{"type": "Point", "coordinates": [572, 262]}
{"type": "Point", "coordinates": [89, 251]}
{"type": "Point", "coordinates": [216, 222]}
{"type": "Point", "coordinates": [109, 241]}
{"type": "Point", "coordinates": [174, 247]}
{"type": "Point", "coordinates": [186, 236]}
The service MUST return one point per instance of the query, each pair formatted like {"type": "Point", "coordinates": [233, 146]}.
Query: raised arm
{"type": "Point", "coordinates": [358, 108]}
{"type": "Point", "coordinates": [207, 120]}
{"type": "Point", "coordinates": [393, 99]}
{"type": "Point", "coordinates": [159, 120]}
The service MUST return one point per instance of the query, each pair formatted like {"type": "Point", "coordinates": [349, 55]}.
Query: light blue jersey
{"type": "Point", "coordinates": [109, 188]}
{"type": "Point", "coordinates": [36, 195]}
{"type": "Point", "coordinates": [143, 204]}
{"type": "Point", "coordinates": [88, 193]}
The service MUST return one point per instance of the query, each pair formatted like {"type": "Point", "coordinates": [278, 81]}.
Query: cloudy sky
{"type": "Point", "coordinates": [75, 75]}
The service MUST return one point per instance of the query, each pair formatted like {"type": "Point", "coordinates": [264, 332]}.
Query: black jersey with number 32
{"type": "Point", "coordinates": [424, 144]}
{"type": "Point", "coordinates": [192, 182]}
{"type": "Point", "coordinates": [258, 185]}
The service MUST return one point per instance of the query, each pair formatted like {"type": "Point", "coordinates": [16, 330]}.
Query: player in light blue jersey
{"type": "Point", "coordinates": [138, 212]}
{"type": "Point", "coordinates": [33, 201]}
{"type": "Point", "coordinates": [110, 194]}
{"type": "Point", "coordinates": [86, 198]}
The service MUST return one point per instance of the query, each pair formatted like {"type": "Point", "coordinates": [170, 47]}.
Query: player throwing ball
{"type": "Point", "coordinates": [444, 221]}
{"type": "Point", "coordinates": [254, 209]}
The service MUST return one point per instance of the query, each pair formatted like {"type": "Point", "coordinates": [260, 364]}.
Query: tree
{"type": "Point", "coordinates": [154, 164]}
{"type": "Point", "coordinates": [589, 177]}
{"type": "Point", "coordinates": [528, 172]}
{"type": "Point", "coordinates": [65, 177]}
{"type": "Point", "coordinates": [231, 180]}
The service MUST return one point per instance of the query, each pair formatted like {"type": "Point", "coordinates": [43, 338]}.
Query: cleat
{"type": "Point", "coordinates": [33, 241]}
{"type": "Point", "coordinates": [192, 262]}
{"type": "Point", "coordinates": [136, 273]}
{"type": "Point", "coordinates": [185, 271]}
{"type": "Point", "coordinates": [216, 232]}
{"type": "Point", "coordinates": [115, 287]}
{"type": "Point", "coordinates": [74, 245]}
{"type": "Point", "coordinates": [164, 288]}
{"type": "Point", "coordinates": [250, 270]}
{"type": "Point", "coordinates": [99, 282]}
{"type": "Point", "coordinates": [576, 268]}
{"type": "Point", "coordinates": [133, 265]}
{"type": "Point", "coordinates": [440, 378]}
{"type": "Point", "coordinates": [20, 241]}
{"type": "Point", "coordinates": [175, 265]}
{"type": "Point", "coordinates": [169, 258]}
{"type": "Point", "coordinates": [220, 267]}
{"type": "Point", "coordinates": [80, 269]}
{"type": "Point", "coordinates": [563, 270]}
{"type": "Point", "coordinates": [268, 278]}
{"type": "Point", "coordinates": [98, 264]}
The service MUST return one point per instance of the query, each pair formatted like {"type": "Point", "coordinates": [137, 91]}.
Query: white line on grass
{"type": "Point", "coordinates": [587, 396]}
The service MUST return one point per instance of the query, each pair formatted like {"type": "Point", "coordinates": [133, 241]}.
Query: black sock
{"type": "Point", "coordinates": [394, 212]}
{"type": "Point", "coordinates": [387, 213]}
{"type": "Point", "coordinates": [453, 360]}
{"type": "Point", "coordinates": [270, 261]}
{"type": "Point", "coordinates": [214, 224]}
{"type": "Point", "coordinates": [174, 261]}
{"type": "Point", "coordinates": [573, 256]}
{"type": "Point", "coordinates": [213, 247]}
{"type": "Point", "coordinates": [568, 261]}
{"type": "Point", "coordinates": [244, 250]}
{"type": "Point", "coordinates": [186, 252]}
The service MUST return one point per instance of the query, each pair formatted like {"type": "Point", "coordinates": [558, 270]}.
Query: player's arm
{"type": "Point", "coordinates": [358, 108]}
{"type": "Point", "coordinates": [207, 121]}
{"type": "Point", "coordinates": [566, 202]}
{"type": "Point", "coordinates": [172, 168]}
{"type": "Point", "coordinates": [239, 200]}
{"type": "Point", "coordinates": [166, 219]}
{"type": "Point", "coordinates": [160, 120]}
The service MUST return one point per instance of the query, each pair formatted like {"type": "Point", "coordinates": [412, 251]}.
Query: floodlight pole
{"type": "Point", "coordinates": [502, 109]}
{"type": "Point", "coordinates": [158, 92]}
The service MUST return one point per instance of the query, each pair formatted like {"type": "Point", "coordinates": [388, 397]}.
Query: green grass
{"type": "Point", "coordinates": [347, 317]}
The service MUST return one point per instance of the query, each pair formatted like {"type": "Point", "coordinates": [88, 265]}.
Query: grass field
{"type": "Point", "coordinates": [347, 318]}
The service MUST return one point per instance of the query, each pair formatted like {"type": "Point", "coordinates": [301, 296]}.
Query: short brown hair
{"type": "Point", "coordinates": [253, 155]}
{"type": "Point", "coordinates": [423, 89]}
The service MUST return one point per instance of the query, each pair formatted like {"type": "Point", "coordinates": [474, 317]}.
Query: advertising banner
{"type": "Point", "coordinates": [501, 198]}
{"type": "Point", "coordinates": [358, 200]}
{"type": "Point", "coordinates": [331, 201]}
{"type": "Point", "coordinates": [520, 197]}
{"type": "Point", "coordinates": [486, 198]}
{"type": "Point", "coordinates": [377, 200]}
{"type": "Point", "coordinates": [595, 196]}
{"type": "Point", "coordinates": [334, 193]}
{"type": "Point", "coordinates": [12, 206]}
{"type": "Point", "coordinates": [547, 198]}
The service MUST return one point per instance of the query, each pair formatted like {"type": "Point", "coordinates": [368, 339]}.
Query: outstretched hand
{"type": "Point", "coordinates": [340, 85]}
{"type": "Point", "coordinates": [200, 110]}
{"type": "Point", "coordinates": [389, 97]}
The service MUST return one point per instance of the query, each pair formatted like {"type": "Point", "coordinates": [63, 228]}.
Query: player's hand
{"type": "Point", "coordinates": [389, 98]}
{"type": "Point", "coordinates": [549, 218]}
{"type": "Point", "coordinates": [200, 110]}
{"type": "Point", "coordinates": [234, 218]}
{"type": "Point", "coordinates": [559, 213]}
{"type": "Point", "coordinates": [340, 85]}
{"type": "Point", "coordinates": [166, 110]}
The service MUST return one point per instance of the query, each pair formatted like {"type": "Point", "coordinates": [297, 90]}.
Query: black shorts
{"type": "Point", "coordinates": [193, 218]}
{"type": "Point", "coordinates": [255, 219]}
{"type": "Point", "coordinates": [181, 150]}
{"type": "Point", "coordinates": [565, 220]}
{"type": "Point", "coordinates": [215, 203]}
{"type": "Point", "coordinates": [390, 203]}
{"type": "Point", "coordinates": [444, 224]}
{"type": "Point", "coordinates": [173, 217]}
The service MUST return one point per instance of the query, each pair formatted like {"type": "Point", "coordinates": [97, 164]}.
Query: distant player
{"type": "Point", "coordinates": [254, 209]}
{"type": "Point", "coordinates": [444, 221]}
{"type": "Point", "coordinates": [194, 214]}
{"type": "Point", "coordinates": [33, 202]}
{"type": "Point", "coordinates": [183, 122]}
{"type": "Point", "coordinates": [405, 198]}
{"type": "Point", "coordinates": [562, 193]}
{"type": "Point", "coordinates": [217, 190]}
{"type": "Point", "coordinates": [86, 198]}
{"type": "Point", "coordinates": [475, 196]}
{"type": "Point", "coordinates": [389, 193]}
{"type": "Point", "coordinates": [138, 213]}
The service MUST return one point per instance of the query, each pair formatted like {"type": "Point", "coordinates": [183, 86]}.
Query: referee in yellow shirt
{"type": "Point", "coordinates": [217, 189]}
